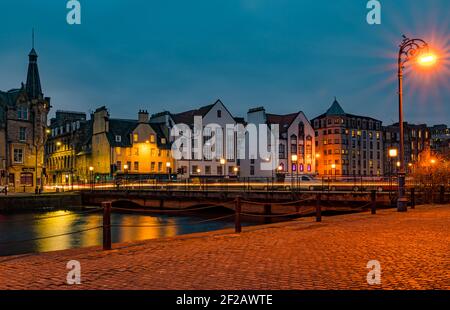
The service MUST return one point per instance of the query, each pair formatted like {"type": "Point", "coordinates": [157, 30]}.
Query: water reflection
{"type": "Point", "coordinates": [19, 227]}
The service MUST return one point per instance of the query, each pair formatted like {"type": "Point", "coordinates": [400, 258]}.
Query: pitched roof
{"type": "Point", "coordinates": [335, 109]}
{"type": "Point", "coordinates": [284, 121]}
{"type": "Point", "coordinates": [123, 128]}
{"type": "Point", "coordinates": [10, 97]}
{"type": "Point", "coordinates": [187, 117]}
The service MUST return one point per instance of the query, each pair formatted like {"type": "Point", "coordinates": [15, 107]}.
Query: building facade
{"type": "Point", "coordinates": [417, 138]}
{"type": "Point", "coordinates": [204, 166]}
{"type": "Point", "coordinates": [440, 140]}
{"type": "Point", "coordinates": [296, 149]}
{"type": "Point", "coordinates": [23, 127]}
{"type": "Point", "coordinates": [68, 148]}
{"type": "Point", "coordinates": [135, 148]}
{"type": "Point", "coordinates": [347, 144]}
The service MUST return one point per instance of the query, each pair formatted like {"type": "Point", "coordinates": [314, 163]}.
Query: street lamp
{"type": "Point", "coordinates": [91, 172]}
{"type": "Point", "coordinates": [294, 159]}
{"type": "Point", "coordinates": [125, 168]}
{"type": "Point", "coordinates": [392, 154]}
{"type": "Point", "coordinates": [168, 170]}
{"type": "Point", "coordinates": [333, 166]}
{"type": "Point", "coordinates": [410, 49]}
{"type": "Point", "coordinates": [222, 163]}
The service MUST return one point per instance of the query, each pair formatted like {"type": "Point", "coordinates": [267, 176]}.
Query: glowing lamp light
{"type": "Point", "coordinates": [427, 60]}
{"type": "Point", "coordinates": [433, 161]}
{"type": "Point", "coordinates": [393, 153]}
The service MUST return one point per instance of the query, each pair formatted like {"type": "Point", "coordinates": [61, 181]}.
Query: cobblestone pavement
{"type": "Point", "coordinates": [413, 249]}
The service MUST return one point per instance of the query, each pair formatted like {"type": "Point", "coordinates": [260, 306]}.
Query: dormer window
{"type": "Point", "coordinates": [163, 140]}
{"type": "Point", "coordinates": [118, 138]}
{"type": "Point", "coordinates": [152, 138]}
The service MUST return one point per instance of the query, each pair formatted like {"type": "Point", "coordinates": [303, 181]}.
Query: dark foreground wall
{"type": "Point", "coordinates": [39, 202]}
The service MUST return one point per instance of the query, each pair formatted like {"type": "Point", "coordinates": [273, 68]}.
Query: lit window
{"type": "Point", "coordinates": [18, 156]}
{"type": "Point", "coordinates": [118, 138]}
{"type": "Point", "coordinates": [135, 137]}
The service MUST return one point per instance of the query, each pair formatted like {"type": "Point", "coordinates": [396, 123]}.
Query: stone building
{"type": "Point", "coordinates": [348, 144]}
{"type": "Point", "coordinates": [67, 146]}
{"type": "Point", "coordinates": [417, 138]}
{"type": "Point", "coordinates": [440, 140]}
{"type": "Point", "coordinates": [135, 148]}
{"type": "Point", "coordinates": [23, 121]}
{"type": "Point", "coordinates": [296, 149]}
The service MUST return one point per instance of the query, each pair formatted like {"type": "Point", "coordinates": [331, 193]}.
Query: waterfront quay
{"type": "Point", "coordinates": [412, 249]}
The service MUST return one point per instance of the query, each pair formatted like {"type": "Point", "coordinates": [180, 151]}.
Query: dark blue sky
{"type": "Point", "coordinates": [286, 55]}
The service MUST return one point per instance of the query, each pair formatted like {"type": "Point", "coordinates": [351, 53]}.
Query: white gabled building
{"type": "Point", "coordinates": [215, 113]}
{"type": "Point", "coordinates": [296, 147]}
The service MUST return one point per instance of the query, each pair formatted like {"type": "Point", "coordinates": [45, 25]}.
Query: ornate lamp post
{"type": "Point", "coordinates": [410, 49]}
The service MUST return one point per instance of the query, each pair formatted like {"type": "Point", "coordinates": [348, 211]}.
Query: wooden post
{"type": "Point", "coordinates": [267, 212]}
{"type": "Point", "coordinates": [373, 198]}
{"type": "Point", "coordinates": [442, 194]}
{"type": "Point", "coordinates": [106, 225]}
{"type": "Point", "coordinates": [237, 217]}
{"type": "Point", "coordinates": [318, 209]}
{"type": "Point", "coordinates": [413, 198]}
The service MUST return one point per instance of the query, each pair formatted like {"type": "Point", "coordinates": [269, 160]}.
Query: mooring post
{"type": "Point", "coordinates": [318, 209]}
{"type": "Point", "coordinates": [237, 217]}
{"type": "Point", "coordinates": [413, 198]}
{"type": "Point", "coordinates": [267, 213]}
{"type": "Point", "coordinates": [373, 198]}
{"type": "Point", "coordinates": [106, 225]}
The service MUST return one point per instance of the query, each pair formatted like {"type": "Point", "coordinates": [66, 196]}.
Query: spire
{"type": "Point", "coordinates": [33, 86]}
{"type": "Point", "coordinates": [335, 108]}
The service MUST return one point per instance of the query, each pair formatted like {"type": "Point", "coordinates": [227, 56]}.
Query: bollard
{"type": "Point", "coordinates": [318, 209]}
{"type": "Point", "coordinates": [413, 198]}
{"type": "Point", "coordinates": [267, 212]}
{"type": "Point", "coordinates": [442, 195]}
{"type": "Point", "coordinates": [237, 217]}
{"type": "Point", "coordinates": [373, 198]}
{"type": "Point", "coordinates": [106, 225]}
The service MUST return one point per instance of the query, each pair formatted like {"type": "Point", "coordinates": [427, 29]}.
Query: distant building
{"type": "Point", "coordinates": [296, 147]}
{"type": "Point", "coordinates": [440, 139]}
{"type": "Point", "coordinates": [348, 144]}
{"type": "Point", "coordinates": [23, 121]}
{"type": "Point", "coordinates": [215, 113]}
{"type": "Point", "coordinates": [136, 148]}
{"type": "Point", "coordinates": [67, 148]}
{"type": "Point", "coordinates": [417, 138]}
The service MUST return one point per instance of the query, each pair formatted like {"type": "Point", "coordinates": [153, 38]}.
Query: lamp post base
{"type": "Point", "coordinates": [402, 204]}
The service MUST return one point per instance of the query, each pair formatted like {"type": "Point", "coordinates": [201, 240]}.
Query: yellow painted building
{"type": "Point", "coordinates": [136, 148]}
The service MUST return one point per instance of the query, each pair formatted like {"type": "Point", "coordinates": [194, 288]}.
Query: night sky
{"type": "Point", "coordinates": [286, 55]}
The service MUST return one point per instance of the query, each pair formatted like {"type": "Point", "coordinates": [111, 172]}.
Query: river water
{"type": "Point", "coordinates": [16, 229]}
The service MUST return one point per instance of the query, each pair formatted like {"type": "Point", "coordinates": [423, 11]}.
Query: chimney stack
{"type": "Point", "coordinates": [143, 117]}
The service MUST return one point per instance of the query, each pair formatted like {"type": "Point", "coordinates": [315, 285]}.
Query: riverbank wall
{"type": "Point", "coordinates": [24, 203]}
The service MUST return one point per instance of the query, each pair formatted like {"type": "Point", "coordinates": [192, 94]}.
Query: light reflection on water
{"type": "Point", "coordinates": [17, 227]}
